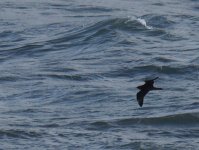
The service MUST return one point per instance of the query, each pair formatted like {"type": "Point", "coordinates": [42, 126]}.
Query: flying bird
{"type": "Point", "coordinates": [144, 89]}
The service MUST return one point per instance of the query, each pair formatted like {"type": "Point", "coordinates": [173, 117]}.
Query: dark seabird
{"type": "Point", "coordinates": [144, 89]}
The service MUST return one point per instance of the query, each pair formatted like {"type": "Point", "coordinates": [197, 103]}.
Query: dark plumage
{"type": "Point", "coordinates": [144, 89]}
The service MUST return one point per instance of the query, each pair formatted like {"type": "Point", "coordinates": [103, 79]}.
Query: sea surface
{"type": "Point", "coordinates": [69, 71]}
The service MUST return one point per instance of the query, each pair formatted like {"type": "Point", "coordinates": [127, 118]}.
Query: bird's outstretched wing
{"type": "Point", "coordinates": [140, 96]}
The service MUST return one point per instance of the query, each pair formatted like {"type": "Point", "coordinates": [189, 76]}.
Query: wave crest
{"type": "Point", "coordinates": [177, 119]}
{"type": "Point", "coordinates": [185, 119]}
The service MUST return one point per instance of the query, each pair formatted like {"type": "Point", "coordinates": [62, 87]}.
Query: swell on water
{"type": "Point", "coordinates": [104, 31]}
{"type": "Point", "coordinates": [184, 119]}
{"type": "Point", "coordinates": [108, 26]}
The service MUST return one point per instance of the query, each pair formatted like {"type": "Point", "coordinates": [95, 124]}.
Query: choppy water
{"type": "Point", "coordinates": [69, 71]}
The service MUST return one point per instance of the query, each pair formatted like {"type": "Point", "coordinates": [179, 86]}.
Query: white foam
{"type": "Point", "coordinates": [143, 22]}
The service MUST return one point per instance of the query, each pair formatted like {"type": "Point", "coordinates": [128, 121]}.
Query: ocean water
{"type": "Point", "coordinates": [70, 68]}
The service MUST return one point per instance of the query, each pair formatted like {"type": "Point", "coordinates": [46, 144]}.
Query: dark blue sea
{"type": "Point", "coordinates": [69, 71]}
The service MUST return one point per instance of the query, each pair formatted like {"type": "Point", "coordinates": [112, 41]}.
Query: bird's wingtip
{"type": "Point", "coordinates": [155, 78]}
{"type": "Point", "coordinates": [149, 80]}
{"type": "Point", "coordinates": [140, 102]}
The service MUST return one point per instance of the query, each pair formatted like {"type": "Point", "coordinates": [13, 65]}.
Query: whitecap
{"type": "Point", "coordinates": [143, 22]}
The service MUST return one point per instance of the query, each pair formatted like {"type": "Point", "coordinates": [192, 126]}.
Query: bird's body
{"type": "Point", "coordinates": [144, 89]}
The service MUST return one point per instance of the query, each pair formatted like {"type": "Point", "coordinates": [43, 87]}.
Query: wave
{"type": "Point", "coordinates": [75, 77]}
{"type": "Point", "coordinates": [153, 68]}
{"type": "Point", "coordinates": [16, 133]}
{"type": "Point", "coordinates": [184, 119]}
{"type": "Point", "coordinates": [169, 69]}
{"type": "Point", "coordinates": [177, 119]}
{"type": "Point", "coordinates": [25, 50]}
{"type": "Point", "coordinates": [108, 27]}
{"type": "Point", "coordinates": [160, 26]}
{"type": "Point", "coordinates": [110, 30]}
{"type": "Point", "coordinates": [158, 21]}
{"type": "Point", "coordinates": [98, 32]}
{"type": "Point", "coordinates": [90, 9]}
{"type": "Point", "coordinates": [143, 22]}
{"type": "Point", "coordinates": [195, 60]}
{"type": "Point", "coordinates": [101, 32]}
